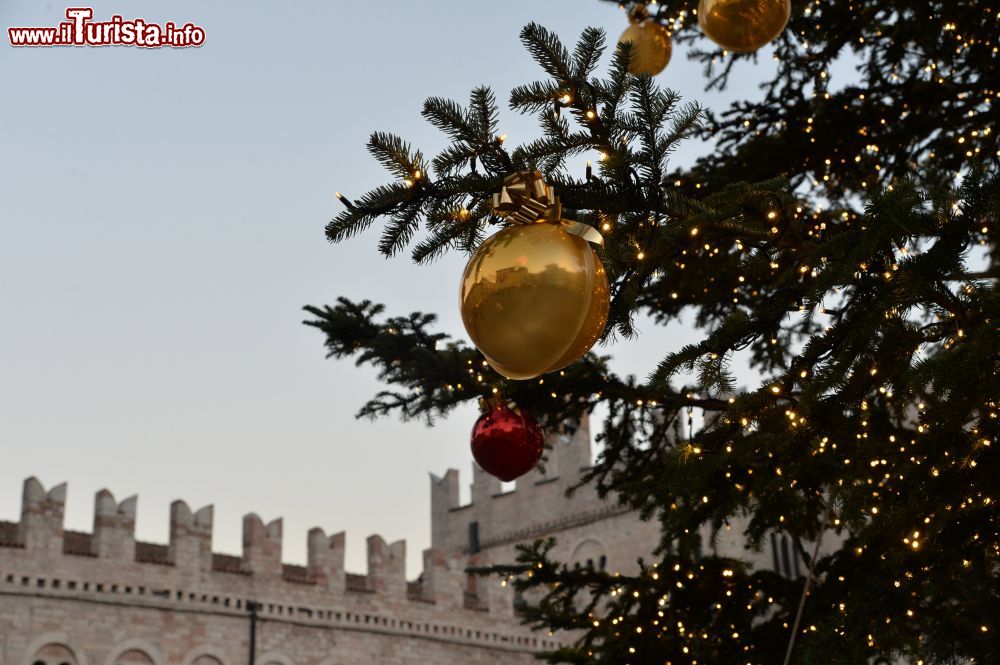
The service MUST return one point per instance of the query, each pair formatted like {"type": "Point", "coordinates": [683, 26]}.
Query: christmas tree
{"type": "Point", "coordinates": [841, 238]}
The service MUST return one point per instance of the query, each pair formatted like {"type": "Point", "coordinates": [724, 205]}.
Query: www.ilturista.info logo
{"type": "Point", "coordinates": [80, 30]}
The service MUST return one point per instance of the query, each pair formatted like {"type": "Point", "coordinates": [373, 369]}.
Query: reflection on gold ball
{"type": "Point", "coordinates": [534, 299]}
{"type": "Point", "coordinates": [743, 25]}
{"type": "Point", "coordinates": [651, 47]}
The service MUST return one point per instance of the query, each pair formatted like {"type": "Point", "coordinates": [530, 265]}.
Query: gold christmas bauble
{"type": "Point", "coordinates": [534, 299]}
{"type": "Point", "coordinates": [743, 25]}
{"type": "Point", "coordinates": [651, 47]}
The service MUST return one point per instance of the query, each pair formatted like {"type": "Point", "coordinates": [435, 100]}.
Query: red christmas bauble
{"type": "Point", "coordinates": [507, 442]}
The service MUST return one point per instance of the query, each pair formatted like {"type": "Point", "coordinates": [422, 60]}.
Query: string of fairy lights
{"type": "Point", "coordinates": [973, 139]}
{"type": "Point", "coordinates": [866, 458]}
{"type": "Point", "coordinates": [882, 484]}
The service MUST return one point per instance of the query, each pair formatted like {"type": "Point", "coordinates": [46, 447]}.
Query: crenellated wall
{"type": "Point", "coordinates": [40, 530]}
{"type": "Point", "coordinates": [114, 527]}
{"type": "Point", "coordinates": [588, 529]}
{"type": "Point", "coordinates": [176, 595]}
{"type": "Point", "coordinates": [190, 548]}
{"type": "Point", "coordinates": [538, 507]}
{"type": "Point", "coordinates": [102, 598]}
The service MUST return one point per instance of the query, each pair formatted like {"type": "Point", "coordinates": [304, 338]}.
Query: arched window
{"type": "Point", "coordinates": [54, 654]}
{"type": "Point", "coordinates": [589, 552]}
{"type": "Point", "coordinates": [206, 655]}
{"type": "Point", "coordinates": [134, 657]}
{"type": "Point", "coordinates": [205, 659]}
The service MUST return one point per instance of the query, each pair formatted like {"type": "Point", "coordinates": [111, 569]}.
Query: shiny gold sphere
{"type": "Point", "coordinates": [534, 299]}
{"type": "Point", "coordinates": [651, 47]}
{"type": "Point", "coordinates": [743, 25]}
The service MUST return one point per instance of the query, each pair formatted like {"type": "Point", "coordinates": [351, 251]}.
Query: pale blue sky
{"type": "Point", "coordinates": [162, 217]}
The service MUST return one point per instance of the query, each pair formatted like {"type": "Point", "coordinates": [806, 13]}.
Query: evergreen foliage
{"type": "Point", "coordinates": [875, 421]}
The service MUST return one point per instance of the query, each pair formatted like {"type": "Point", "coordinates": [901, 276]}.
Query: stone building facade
{"type": "Point", "coordinates": [102, 598]}
{"type": "Point", "coordinates": [587, 528]}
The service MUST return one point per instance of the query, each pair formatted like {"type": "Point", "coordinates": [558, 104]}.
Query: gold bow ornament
{"type": "Point", "coordinates": [526, 198]}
